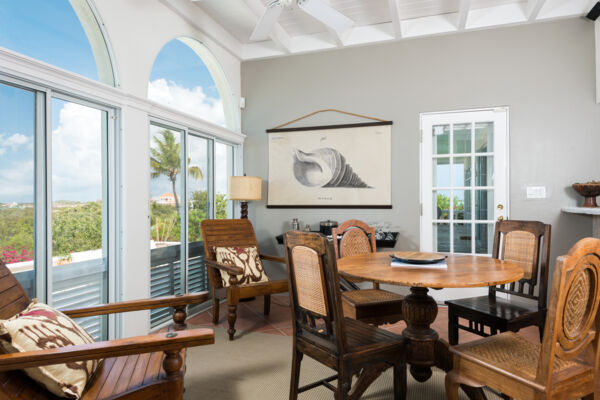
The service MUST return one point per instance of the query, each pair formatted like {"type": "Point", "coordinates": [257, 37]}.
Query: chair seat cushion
{"type": "Point", "coordinates": [40, 327]}
{"type": "Point", "coordinates": [246, 258]}
{"type": "Point", "coordinates": [498, 308]}
{"type": "Point", "coordinates": [512, 353]}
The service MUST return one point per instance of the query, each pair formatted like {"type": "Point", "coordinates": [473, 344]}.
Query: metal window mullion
{"type": "Point", "coordinates": [40, 184]}
{"type": "Point", "coordinates": [48, 205]}
{"type": "Point", "coordinates": [112, 217]}
{"type": "Point", "coordinates": [184, 210]}
{"type": "Point", "coordinates": [472, 190]}
{"type": "Point", "coordinates": [211, 187]}
{"type": "Point", "coordinates": [451, 210]}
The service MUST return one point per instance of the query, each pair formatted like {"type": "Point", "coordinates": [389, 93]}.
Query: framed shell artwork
{"type": "Point", "coordinates": [336, 166]}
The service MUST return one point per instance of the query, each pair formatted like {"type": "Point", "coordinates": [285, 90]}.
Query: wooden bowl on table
{"type": "Point", "coordinates": [589, 191]}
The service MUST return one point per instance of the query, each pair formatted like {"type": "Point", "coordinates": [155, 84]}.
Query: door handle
{"type": "Point", "coordinates": [501, 218]}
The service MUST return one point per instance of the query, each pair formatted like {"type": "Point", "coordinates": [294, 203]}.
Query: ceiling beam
{"type": "Point", "coordinates": [463, 14]}
{"type": "Point", "coordinates": [278, 34]}
{"type": "Point", "coordinates": [533, 9]}
{"type": "Point", "coordinates": [396, 17]}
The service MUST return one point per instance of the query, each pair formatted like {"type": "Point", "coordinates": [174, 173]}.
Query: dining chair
{"type": "Point", "coordinates": [527, 244]}
{"type": "Point", "coordinates": [565, 364]}
{"type": "Point", "coordinates": [322, 332]}
{"type": "Point", "coordinates": [227, 279]}
{"type": "Point", "coordinates": [374, 306]}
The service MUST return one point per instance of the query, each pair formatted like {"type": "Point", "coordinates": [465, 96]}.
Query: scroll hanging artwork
{"type": "Point", "coordinates": [337, 166]}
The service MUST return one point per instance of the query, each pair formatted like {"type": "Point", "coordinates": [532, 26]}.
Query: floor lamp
{"type": "Point", "coordinates": [245, 188]}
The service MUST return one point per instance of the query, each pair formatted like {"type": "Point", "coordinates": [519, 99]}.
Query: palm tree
{"type": "Point", "coordinates": [165, 160]}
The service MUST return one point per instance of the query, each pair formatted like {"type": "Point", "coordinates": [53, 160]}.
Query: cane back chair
{"type": "Point", "coordinates": [373, 306]}
{"type": "Point", "coordinates": [565, 365]}
{"type": "Point", "coordinates": [348, 346]}
{"type": "Point", "coordinates": [527, 244]}
{"type": "Point", "coordinates": [144, 367]}
{"type": "Point", "coordinates": [234, 233]}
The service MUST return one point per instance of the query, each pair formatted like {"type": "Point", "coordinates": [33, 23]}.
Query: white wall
{"type": "Point", "coordinates": [137, 30]}
{"type": "Point", "coordinates": [543, 72]}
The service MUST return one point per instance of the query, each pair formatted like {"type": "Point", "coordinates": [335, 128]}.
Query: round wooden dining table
{"type": "Point", "coordinates": [425, 349]}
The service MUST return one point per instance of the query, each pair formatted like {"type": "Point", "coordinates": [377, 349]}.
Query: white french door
{"type": "Point", "coordinates": [464, 183]}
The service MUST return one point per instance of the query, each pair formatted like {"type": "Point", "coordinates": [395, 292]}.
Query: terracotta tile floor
{"type": "Point", "coordinates": [250, 318]}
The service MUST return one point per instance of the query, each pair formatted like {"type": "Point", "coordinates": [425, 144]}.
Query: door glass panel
{"type": "Point", "coordinates": [462, 171]}
{"type": "Point", "coordinates": [165, 215]}
{"type": "Point", "coordinates": [223, 170]}
{"type": "Point", "coordinates": [462, 238]}
{"type": "Point", "coordinates": [484, 137]}
{"type": "Point", "coordinates": [79, 252]}
{"type": "Point", "coordinates": [198, 210]}
{"type": "Point", "coordinates": [484, 238]}
{"type": "Point", "coordinates": [441, 237]}
{"type": "Point", "coordinates": [442, 205]}
{"type": "Point", "coordinates": [462, 204]}
{"type": "Point", "coordinates": [484, 171]}
{"type": "Point", "coordinates": [17, 193]}
{"type": "Point", "coordinates": [441, 139]}
{"type": "Point", "coordinates": [441, 172]}
{"type": "Point", "coordinates": [484, 205]}
{"type": "Point", "coordinates": [462, 138]}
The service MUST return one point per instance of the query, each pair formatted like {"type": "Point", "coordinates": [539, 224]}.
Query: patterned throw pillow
{"type": "Point", "coordinates": [41, 327]}
{"type": "Point", "coordinates": [244, 257]}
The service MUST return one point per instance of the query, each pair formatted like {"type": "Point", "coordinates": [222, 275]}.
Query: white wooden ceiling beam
{"type": "Point", "coordinates": [396, 17]}
{"type": "Point", "coordinates": [533, 9]}
{"type": "Point", "coordinates": [463, 14]}
{"type": "Point", "coordinates": [278, 34]}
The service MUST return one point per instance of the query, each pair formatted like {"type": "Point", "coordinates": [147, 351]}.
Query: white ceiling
{"type": "Point", "coordinates": [377, 21]}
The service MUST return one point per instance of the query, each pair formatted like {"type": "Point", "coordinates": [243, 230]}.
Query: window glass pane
{"type": "Point", "coordinates": [53, 32]}
{"type": "Point", "coordinates": [17, 130]}
{"type": "Point", "coordinates": [181, 80]}
{"type": "Point", "coordinates": [441, 209]}
{"type": "Point", "coordinates": [484, 137]}
{"type": "Point", "coordinates": [165, 215]}
{"type": "Point", "coordinates": [462, 238]}
{"type": "Point", "coordinates": [441, 172]}
{"type": "Point", "coordinates": [484, 238]}
{"type": "Point", "coordinates": [198, 210]}
{"type": "Point", "coordinates": [441, 237]}
{"type": "Point", "coordinates": [462, 138]}
{"type": "Point", "coordinates": [462, 204]}
{"type": "Point", "coordinates": [484, 171]}
{"type": "Point", "coordinates": [484, 205]}
{"type": "Point", "coordinates": [441, 139]}
{"type": "Point", "coordinates": [78, 209]}
{"type": "Point", "coordinates": [462, 171]}
{"type": "Point", "coordinates": [223, 170]}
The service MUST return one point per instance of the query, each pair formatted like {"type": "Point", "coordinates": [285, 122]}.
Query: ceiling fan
{"type": "Point", "coordinates": [316, 8]}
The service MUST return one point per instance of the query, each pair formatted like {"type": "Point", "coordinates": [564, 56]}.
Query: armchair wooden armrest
{"type": "Point", "coordinates": [138, 305]}
{"type": "Point", "coordinates": [169, 342]}
{"type": "Point", "coordinates": [272, 258]}
{"type": "Point", "coordinates": [230, 269]}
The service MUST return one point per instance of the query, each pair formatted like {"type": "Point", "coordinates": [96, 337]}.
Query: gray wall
{"type": "Point", "coordinates": [543, 72]}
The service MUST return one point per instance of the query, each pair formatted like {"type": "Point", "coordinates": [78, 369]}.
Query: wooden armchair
{"type": "Point", "coordinates": [526, 243]}
{"type": "Point", "coordinates": [565, 365]}
{"type": "Point", "coordinates": [373, 306]}
{"type": "Point", "coordinates": [348, 346]}
{"type": "Point", "coordinates": [144, 367]}
{"type": "Point", "coordinates": [234, 233]}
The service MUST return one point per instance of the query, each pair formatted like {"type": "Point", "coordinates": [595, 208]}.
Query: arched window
{"type": "Point", "coordinates": [64, 33]}
{"type": "Point", "coordinates": [186, 76]}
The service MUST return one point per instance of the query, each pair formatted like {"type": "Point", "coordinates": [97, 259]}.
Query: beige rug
{"type": "Point", "coordinates": [258, 366]}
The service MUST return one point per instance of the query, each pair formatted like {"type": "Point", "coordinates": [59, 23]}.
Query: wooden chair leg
{"type": "Point", "coordinates": [343, 384]}
{"type": "Point", "coordinates": [295, 381]}
{"type": "Point", "coordinates": [233, 298]}
{"type": "Point", "coordinates": [215, 309]}
{"type": "Point", "coordinates": [267, 309]}
{"type": "Point", "coordinates": [452, 327]}
{"type": "Point", "coordinates": [452, 385]}
{"type": "Point", "coordinates": [400, 381]}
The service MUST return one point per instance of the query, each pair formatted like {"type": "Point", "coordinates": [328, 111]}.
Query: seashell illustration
{"type": "Point", "coordinates": [325, 167]}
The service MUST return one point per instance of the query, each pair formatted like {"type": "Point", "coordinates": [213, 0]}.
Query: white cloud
{"type": "Point", "coordinates": [14, 141]}
{"type": "Point", "coordinates": [2, 151]}
{"type": "Point", "coordinates": [17, 182]}
{"type": "Point", "coordinates": [192, 101]}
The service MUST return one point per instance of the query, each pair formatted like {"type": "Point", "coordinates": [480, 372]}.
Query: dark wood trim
{"type": "Point", "coordinates": [327, 206]}
{"type": "Point", "coordinates": [323, 127]}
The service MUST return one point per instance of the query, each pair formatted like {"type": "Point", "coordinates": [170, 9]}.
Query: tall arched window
{"type": "Point", "coordinates": [186, 76]}
{"type": "Point", "coordinates": [64, 33]}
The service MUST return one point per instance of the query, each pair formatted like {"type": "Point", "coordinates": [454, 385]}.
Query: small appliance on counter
{"type": "Point", "coordinates": [325, 227]}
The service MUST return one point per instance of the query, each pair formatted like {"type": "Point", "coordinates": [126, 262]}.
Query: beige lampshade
{"type": "Point", "coordinates": [245, 188]}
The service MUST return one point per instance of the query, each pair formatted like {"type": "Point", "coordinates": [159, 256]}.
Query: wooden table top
{"type": "Point", "coordinates": [463, 271]}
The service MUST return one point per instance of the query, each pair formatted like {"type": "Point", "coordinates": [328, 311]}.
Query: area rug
{"type": "Point", "coordinates": [258, 366]}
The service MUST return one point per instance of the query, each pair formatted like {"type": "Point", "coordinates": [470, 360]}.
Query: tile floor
{"type": "Point", "coordinates": [250, 318]}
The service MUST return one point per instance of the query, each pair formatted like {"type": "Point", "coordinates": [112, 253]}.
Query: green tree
{"type": "Point", "coordinates": [76, 228]}
{"type": "Point", "coordinates": [165, 160]}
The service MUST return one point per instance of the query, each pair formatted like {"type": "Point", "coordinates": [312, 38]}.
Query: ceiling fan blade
{"type": "Point", "coordinates": [266, 22]}
{"type": "Point", "coordinates": [326, 14]}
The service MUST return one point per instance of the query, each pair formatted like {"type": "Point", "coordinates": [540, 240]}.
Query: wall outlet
{"type": "Point", "coordinates": [536, 192]}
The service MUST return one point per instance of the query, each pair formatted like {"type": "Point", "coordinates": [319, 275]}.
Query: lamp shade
{"type": "Point", "coordinates": [245, 188]}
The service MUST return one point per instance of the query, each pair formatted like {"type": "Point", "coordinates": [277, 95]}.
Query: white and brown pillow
{"type": "Point", "coordinates": [246, 258]}
{"type": "Point", "coordinates": [40, 327]}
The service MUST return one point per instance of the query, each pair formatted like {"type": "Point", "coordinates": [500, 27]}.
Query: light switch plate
{"type": "Point", "coordinates": [536, 192]}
